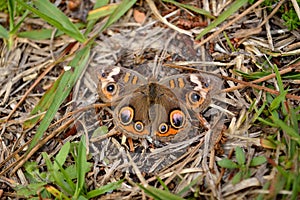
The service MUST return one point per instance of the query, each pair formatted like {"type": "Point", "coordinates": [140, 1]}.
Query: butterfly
{"type": "Point", "coordinates": [164, 109]}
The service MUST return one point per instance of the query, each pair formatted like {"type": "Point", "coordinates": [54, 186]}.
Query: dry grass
{"type": "Point", "coordinates": [253, 52]}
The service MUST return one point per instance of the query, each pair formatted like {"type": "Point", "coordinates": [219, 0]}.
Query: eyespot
{"type": "Point", "coordinates": [163, 128]}
{"type": "Point", "coordinates": [111, 88]}
{"type": "Point", "coordinates": [139, 126]}
{"type": "Point", "coordinates": [126, 115]}
{"type": "Point", "coordinates": [194, 97]}
{"type": "Point", "coordinates": [177, 119]}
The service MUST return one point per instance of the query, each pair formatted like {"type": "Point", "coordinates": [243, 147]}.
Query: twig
{"type": "Point", "coordinates": [13, 155]}
{"type": "Point", "coordinates": [181, 165]}
{"type": "Point", "coordinates": [163, 20]}
{"type": "Point", "coordinates": [296, 7]}
{"type": "Point", "coordinates": [249, 84]}
{"type": "Point", "coordinates": [136, 170]}
{"type": "Point", "coordinates": [271, 14]}
{"type": "Point", "coordinates": [281, 72]}
{"type": "Point", "coordinates": [230, 23]}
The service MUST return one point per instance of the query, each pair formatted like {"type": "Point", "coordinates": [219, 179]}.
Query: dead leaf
{"type": "Point", "coordinates": [139, 16]}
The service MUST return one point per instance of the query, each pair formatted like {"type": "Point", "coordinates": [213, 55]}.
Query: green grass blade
{"type": "Point", "coordinates": [17, 26]}
{"type": "Point", "coordinates": [3, 33]}
{"type": "Point", "coordinates": [62, 155]}
{"type": "Point", "coordinates": [296, 186]}
{"type": "Point", "coordinates": [191, 8]}
{"type": "Point", "coordinates": [11, 11]}
{"type": "Point", "coordinates": [42, 105]}
{"type": "Point", "coordinates": [190, 185]}
{"type": "Point", "coordinates": [294, 118]}
{"type": "Point", "coordinates": [102, 12]}
{"type": "Point", "coordinates": [41, 34]}
{"type": "Point", "coordinates": [56, 175]}
{"type": "Point", "coordinates": [81, 165]}
{"type": "Point", "coordinates": [67, 82]}
{"type": "Point", "coordinates": [159, 194]}
{"type": "Point", "coordinates": [91, 23]}
{"type": "Point", "coordinates": [100, 3]}
{"type": "Point", "coordinates": [64, 181]}
{"type": "Point", "coordinates": [229, 42]}
{"type": "Point", "coordinates": [163, 184]}
{"type": "Point", "coordinates": [286, 128]}
{"type": "Point", "coordinates": [104, 189]}
{"type": "Point", "coordinates": [253, 75]}
{"type": "Point", "coordinates": [279, 80]}
{"type": "Point", "coordinates": [123, 7]}
{"type": "Point", "coordinates": [222, 17]}
{"type": "Point", "coordinates": [275, 104]}
{"type": "Point", "coordinates": [56, 193]}
{"type": "Point", "coordinates": [51, 14]}
{"type": "Point", "coordinates": [57, 100]}
{"type": "Point", "coordinates": [259, 111]}
{"type": "Point", "coordinates": [293, 76]}
{"type": "Point", "coordinates": [266, 122]}
{"type": "Point", "coordinates": [240, 156]}
{"type": "Point", "coordinates": [59, 17]}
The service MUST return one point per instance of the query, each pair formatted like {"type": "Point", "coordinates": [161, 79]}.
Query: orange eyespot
{"type": "Point", "coordinates": [163, 128]}
{"type": "Point", "coordinates": [126, 115]}
{"type": "Point", "coordinates": [194, 97]}
{"type": "Point", "coordinates": [139, 126]}
{"type": "Point", "coordinates": [111, 88]}
{"type": "Point", "coordinates": [177, 119]}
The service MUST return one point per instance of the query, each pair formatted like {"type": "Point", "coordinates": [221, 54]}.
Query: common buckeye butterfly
{"type": "Point", "coordinates": [160, 109]}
